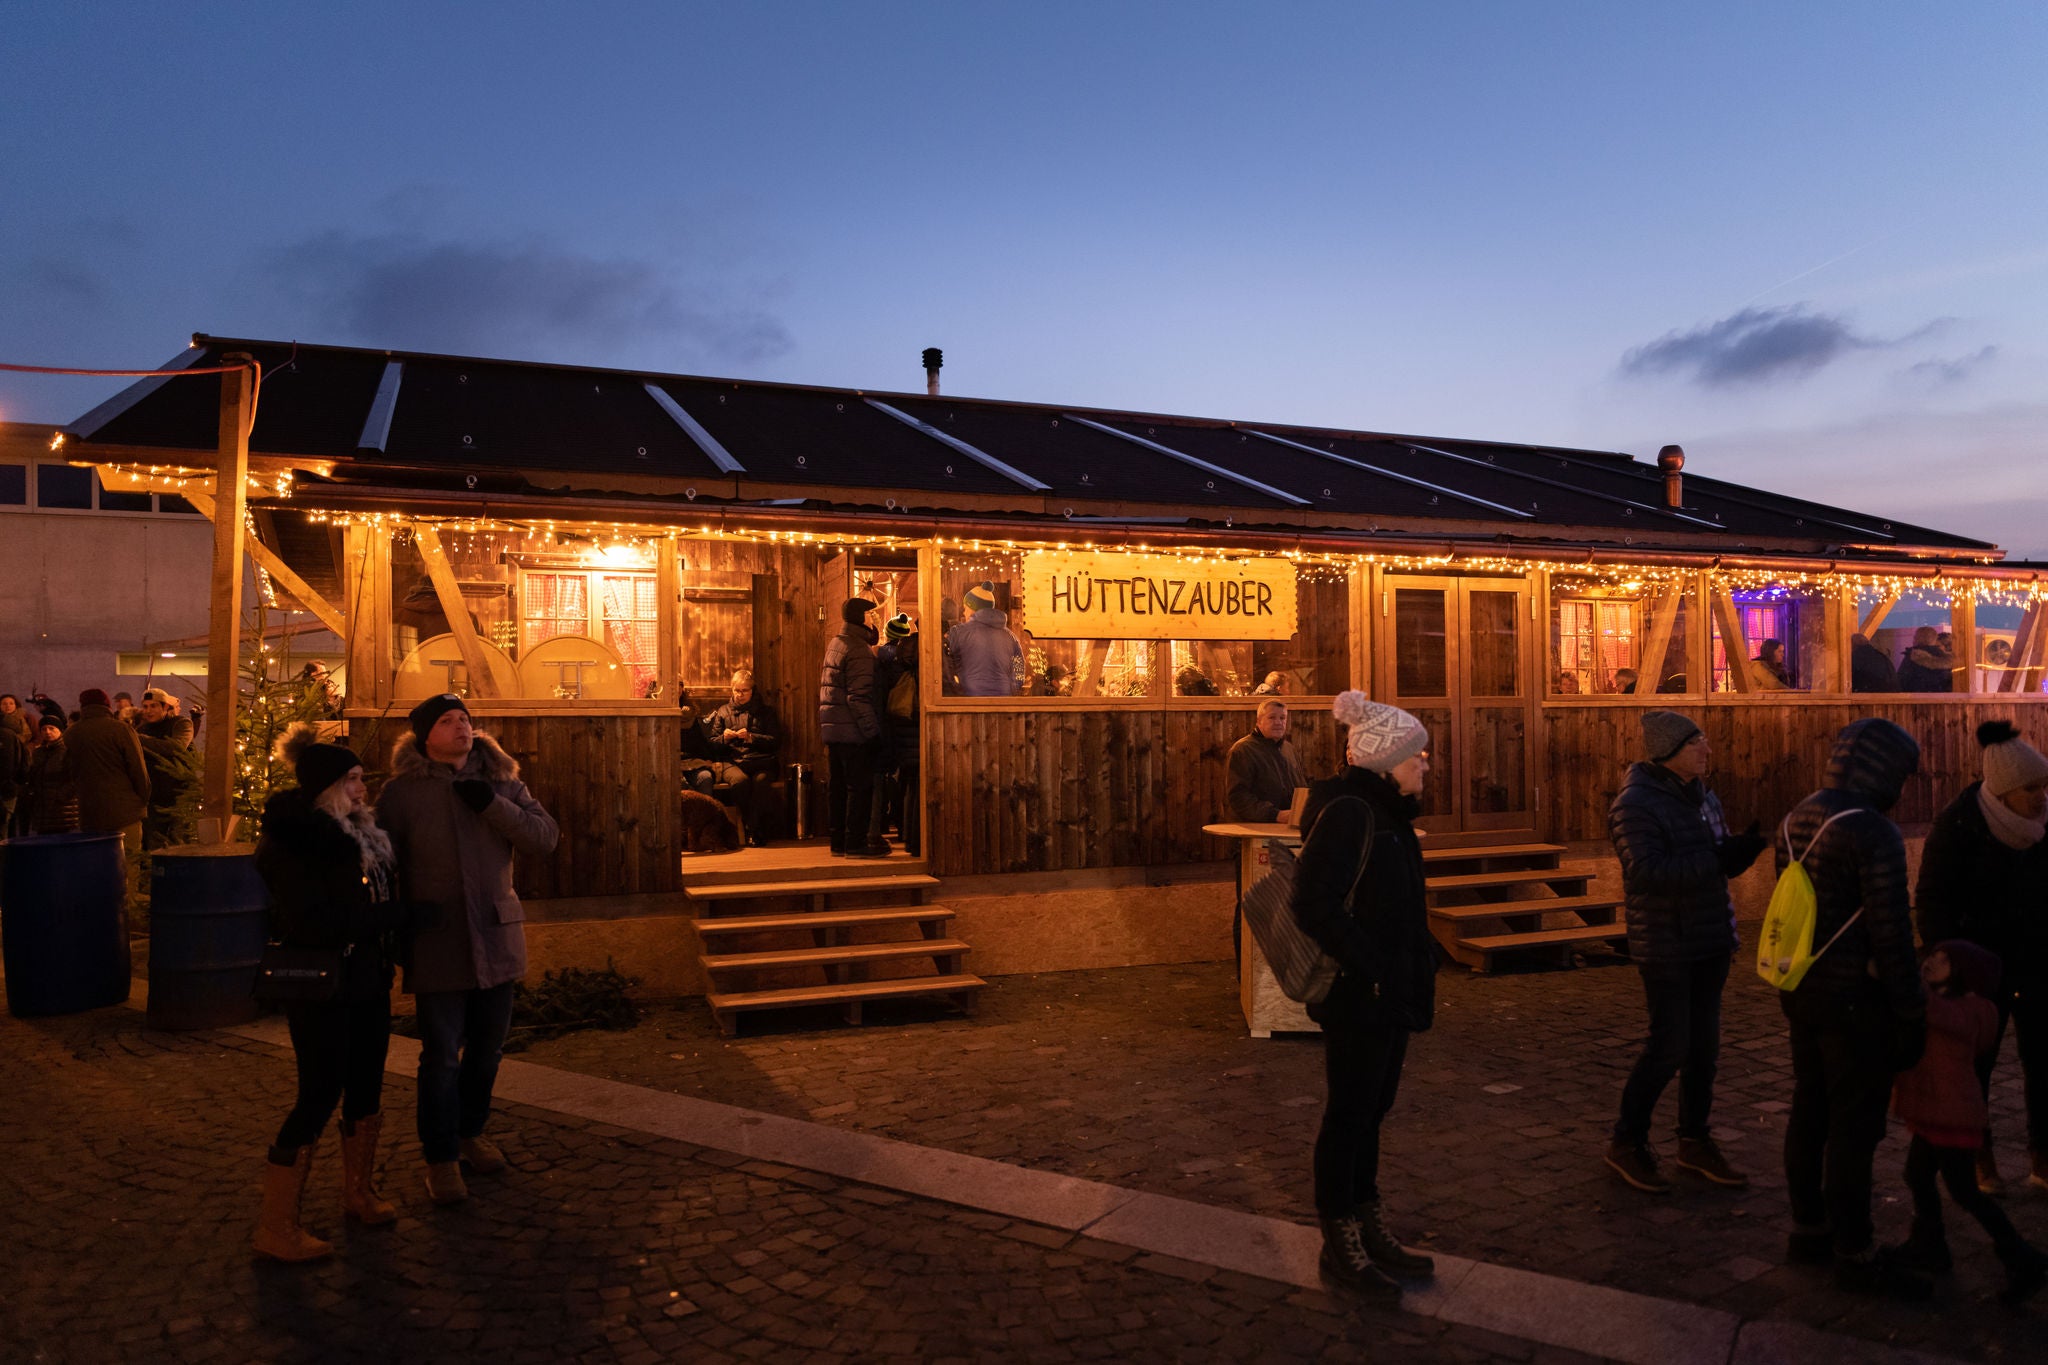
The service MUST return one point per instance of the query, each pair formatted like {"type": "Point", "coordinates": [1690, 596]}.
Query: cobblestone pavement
{"type": "Point", "coordinates": [1144, 1077]}
{"type": "Point", "coordinates": [128, 1163]}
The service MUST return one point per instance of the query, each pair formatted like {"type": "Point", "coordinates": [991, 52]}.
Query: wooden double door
{"type": "Point", "coordinates": [1460, 653]}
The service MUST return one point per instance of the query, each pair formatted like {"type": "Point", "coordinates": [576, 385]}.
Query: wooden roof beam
{"type": "Point", "coordinates": [312, 601]}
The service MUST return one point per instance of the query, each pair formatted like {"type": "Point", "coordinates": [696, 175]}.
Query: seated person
{"type": "Point", "coordinates": [1767, 671]}
{"type": "Point", "coordinates": [700, 770]}
{"type": "Point", "coordinates": [1262, 770]}
{"type": "Point", "coordinates": [742, 737]}
{"type": "Point", "coordinates": [1275, 685]}
{"type": "Point", "coordinates": [1193, 682]}
{"type": "Point", "coordinates": [1625, 680]}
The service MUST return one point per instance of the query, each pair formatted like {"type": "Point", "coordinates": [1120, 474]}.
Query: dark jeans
{"type": "Point", "coordinates": [910, 821]}
{"type": "Point", "coordinates": [1685, 1041]}
{"type": "Point", "coordinates": [2028, 1012]}
{"type": "Point", "coordinates": [1957, 1167]}
{"type": "Point", "coordinates": [462, 1038]}
{"type": "Point", "coordinates": [755, 797]}
{"type": "Point", "coordinates": [340, 1049]}
{"type": "Point", "coordinates": [1843, 1053]}
{"type": "Point", "coordinates": [1362, 1062]}
{"type": "Point", "coordinates": [849, 794]}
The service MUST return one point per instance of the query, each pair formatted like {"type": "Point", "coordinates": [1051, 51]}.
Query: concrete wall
{"type": "Point", "coordinates": [79, 587]}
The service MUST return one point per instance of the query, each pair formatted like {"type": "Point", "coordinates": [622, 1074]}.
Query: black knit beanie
{"type": "Point", "coordinates": [423, 716]}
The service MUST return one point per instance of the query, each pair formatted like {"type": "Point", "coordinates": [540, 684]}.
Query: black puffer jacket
{"type": "Point", "coordinates": [848, 711]}
{"type": "Point", "coordinates": [1974, 887]}
{"type": "Point", "coordinates": [319, 895]}
{"type": "Point", "coordinates": [1384, 947]}
{"type": "Point", "coordinates": [1667, 834]}
{"type": "Point", "coordinates": [1860, 863]}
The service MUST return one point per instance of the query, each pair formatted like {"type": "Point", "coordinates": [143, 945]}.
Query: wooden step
{"type": "Point", "coordinates": [824, 919]}
{"type": "Point", "coordinates": [833, 956]}
{"type": "Point", "coordinates": [1578, 905]}
{"type": "Point", "coordinates": [1543, 938]}
{"type": "Point", "coordinates": [1478, 952]}
{"type": "Point", "coordinates": [1476, 881]}
{"type": "Point", "coordinates": [726, 1007]}
{"type": "Point", "coordinates": [1477, 851]}
{"type": "Point", "coordinates": [837, 886]}
{"type": "Point", "coordinates": [799, 862]}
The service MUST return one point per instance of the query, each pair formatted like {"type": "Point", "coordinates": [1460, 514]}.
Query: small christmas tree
{"type": "Point", "coordinates": [272, 697]}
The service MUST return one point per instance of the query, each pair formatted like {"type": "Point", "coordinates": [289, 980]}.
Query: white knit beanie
{"type": "Point", "coordinates": [1382, 737]}
{"type": "Point", "coordinates": [2009, 761]}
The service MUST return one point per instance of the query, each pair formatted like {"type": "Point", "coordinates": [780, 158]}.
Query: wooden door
{"type": "Point", "coordinates": [1458, 654]}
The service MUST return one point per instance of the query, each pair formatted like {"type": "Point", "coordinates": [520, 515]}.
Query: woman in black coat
{"type": "Point", "coordinates": [1361, 834]}
{"type": "Point", "coordinates": [1984, 878]}
{"type": "Point", "coordinates": [332, 880]}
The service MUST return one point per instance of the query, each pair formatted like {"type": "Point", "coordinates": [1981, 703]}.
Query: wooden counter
{"type": "Point", "coordinates": [1267, 1010]}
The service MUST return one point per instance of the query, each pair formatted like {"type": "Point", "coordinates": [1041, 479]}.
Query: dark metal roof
{"type": "Point", "coordinates": [598, 429]}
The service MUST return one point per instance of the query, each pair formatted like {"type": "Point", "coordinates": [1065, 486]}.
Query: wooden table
{"type": "Point", "coordinates": [1267, 1010]}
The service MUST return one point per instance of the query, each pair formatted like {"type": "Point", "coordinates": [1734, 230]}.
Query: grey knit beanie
{"type": "Point", "coordinates": [2009, 761]}
{"type": "Point", "coordinates": [1665, 733]}
{"type": "Point", "coordinates": [1382, 737]}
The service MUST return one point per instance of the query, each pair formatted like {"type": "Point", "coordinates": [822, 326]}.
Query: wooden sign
{"type": "Point", "coordinates": [1094, 595]}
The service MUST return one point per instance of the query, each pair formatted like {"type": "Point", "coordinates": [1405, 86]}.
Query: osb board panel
{"type": "Point", "coordinates": [1060, 931]}
{"type": "Point", "coordinates": [1045, 791]}
{"type": "Point", "coordinates": [1766, 758]}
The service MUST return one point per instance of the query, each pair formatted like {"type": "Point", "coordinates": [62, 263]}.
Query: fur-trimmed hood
{"type": "Point", "coordinates": [486, 759]}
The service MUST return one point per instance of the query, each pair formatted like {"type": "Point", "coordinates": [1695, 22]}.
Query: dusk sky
{"type": "Point", "coordinates": [1809, 243]}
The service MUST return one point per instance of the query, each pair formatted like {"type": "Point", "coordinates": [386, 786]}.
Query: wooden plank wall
{"type": "Point", "coordinates": [1057, 790]}
{"type": "Point", "coordinates": [611, 782]}
{"type": "Point", "coordinates": [1766, 758]}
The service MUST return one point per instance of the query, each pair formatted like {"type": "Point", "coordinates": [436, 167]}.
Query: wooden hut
{"type": "Point", "coordinates": [578, 550]}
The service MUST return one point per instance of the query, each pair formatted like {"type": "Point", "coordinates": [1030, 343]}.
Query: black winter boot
{"type": "Point", "coordinates": [2026, 1270]}
{"type": "Point", "coordinates": [1386, 1253]}
{"type": "Point", "coordinates": [1879, 1274]}
{"type": "Point", "coordinates": [1346, 1263]}
{"type": "Point", "coordinates": [1925, 1249]}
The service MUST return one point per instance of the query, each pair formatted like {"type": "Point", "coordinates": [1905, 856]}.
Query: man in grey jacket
{"type": "Point", "coordinates": [456, 812]}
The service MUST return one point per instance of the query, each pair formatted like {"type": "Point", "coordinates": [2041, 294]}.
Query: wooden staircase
{"type": "Point", "coordinates": [760, 951]}
{"type": "Point", "coordinates": [1513, 898]}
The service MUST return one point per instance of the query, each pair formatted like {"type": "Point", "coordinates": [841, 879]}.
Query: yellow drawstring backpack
{"type": "Point", "coordinates": [1784, 950]}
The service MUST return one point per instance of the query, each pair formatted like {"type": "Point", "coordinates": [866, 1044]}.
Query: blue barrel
{"type": "Point", "coordinates": [64, 923]}
{"type": "Point", "coordinates": [208, 922]}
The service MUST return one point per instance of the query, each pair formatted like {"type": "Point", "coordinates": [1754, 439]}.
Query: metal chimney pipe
{"type": "Point", "coordinates": [933, 358]}
{"type": "Point", "coordinates": [1671, 459]}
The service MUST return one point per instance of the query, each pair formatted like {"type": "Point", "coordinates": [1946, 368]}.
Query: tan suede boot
{"type": "Point", "coordinates": [359, 1196]}
{"type": "Point", "coordinates": [444, 1182]}
{"type": "Point", "coordinates": [278, 1233]}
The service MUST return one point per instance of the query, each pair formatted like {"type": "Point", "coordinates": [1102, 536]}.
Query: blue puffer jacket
{"type": "Point", "coordinates": [1667, 833]}
{"type": "Point", "coordinates": [1860, 863]}
{"type": "Point", "coordinates": [983, 655]}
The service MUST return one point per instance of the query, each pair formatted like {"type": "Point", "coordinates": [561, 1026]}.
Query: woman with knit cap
{"type": "Point", "coordinates": [332, 879]}
{"type": "Point", "coordinates": [1359, 893]}
{"type": "Point", "coordinates": [1984, 877]}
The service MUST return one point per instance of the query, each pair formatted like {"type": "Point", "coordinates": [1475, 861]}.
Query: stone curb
{"type": "Point", "coordinates": [1609, 1323]}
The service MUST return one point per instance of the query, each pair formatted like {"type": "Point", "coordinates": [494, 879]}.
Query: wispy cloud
{"type": "Point", "coordinates": [61, 281]}
{"type": "Point", "coordinates": [1758, 345]}
{"type": "Point", "coordinates": [503, 297]}
{"type": "Point", "coordinates": [1944, 373]}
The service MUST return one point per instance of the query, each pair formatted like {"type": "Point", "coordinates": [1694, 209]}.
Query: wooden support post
{"type": "Point", "coordinates": [482, 679]}
{"type": "Point", "coordinates": [2026, 644]}
{"type": "Point", "coordinates": [1733, 642]}
{"type": "Point", "coordinates": [1657, 640]}
{"type": "Point", "coordinates": [224, 606]}
{"type": "Point", "coordinates": [282, 572]}
{"type": "Point", "coordinates": [668, 636]}
{"type": "Point", "coordinates": [2034, 659]}
{"type": "Point", "coordinates": [1962, 614]}
{"type": "Point", "coordinates": [1877, 615]}
{"type": "Point", "coordinates": [360, 639]}
{"type": "Point", "coordinates": [1838, 609]}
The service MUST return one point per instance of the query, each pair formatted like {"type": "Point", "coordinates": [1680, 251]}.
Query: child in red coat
{"type": "Point", "coordinates": [1942, 1106]}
